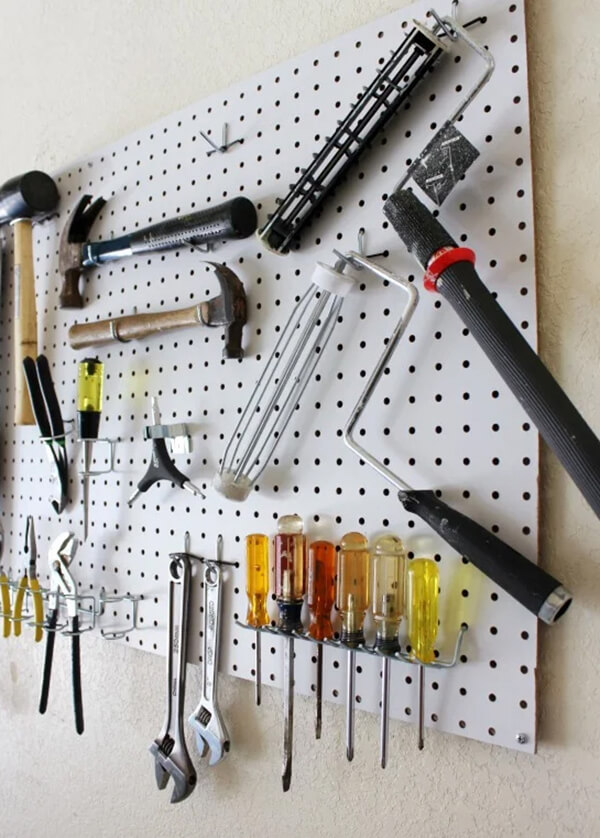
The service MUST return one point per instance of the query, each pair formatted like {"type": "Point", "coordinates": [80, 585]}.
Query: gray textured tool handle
{"type": "Point", "coordinates": [558, 420]}
{"type": "Point", "coordinates": [235, 219]}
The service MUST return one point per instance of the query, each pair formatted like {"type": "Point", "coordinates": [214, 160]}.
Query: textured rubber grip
{"type": "Point", "coordinates": [235, 219]}
{"type": "Point", "coordinates": [51, 633]}
{"type": "Point", "coordinates": [522, 579]}
{"type": "Point", "coordinates": [557, 419]}
{"type": "Point", "coordinates": [76, 667]}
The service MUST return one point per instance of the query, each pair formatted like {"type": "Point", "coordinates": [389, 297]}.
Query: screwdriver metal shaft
{"type": "Point", "coordinates": [290, 573]}
{"type": "Point", "coordinates": [423, 582]}
{"type": "Point", "coordinates": [257, 590]}
{"type": "Point", "coordinates": [321, 588]}
{"type": "Point", "coordinates": [352, 600]}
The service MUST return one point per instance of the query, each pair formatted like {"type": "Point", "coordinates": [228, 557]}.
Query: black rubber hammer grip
{"type": "Point", "coordinates": [453, 273]}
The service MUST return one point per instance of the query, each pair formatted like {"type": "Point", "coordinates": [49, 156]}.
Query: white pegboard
{"type": "Point", "coordinates": [442, 415]}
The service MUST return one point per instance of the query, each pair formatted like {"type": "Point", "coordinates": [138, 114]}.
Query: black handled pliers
{"type": "Point", "coordinates": [62, 552]}
{"type": "Point", "coordinates": [46, 410]}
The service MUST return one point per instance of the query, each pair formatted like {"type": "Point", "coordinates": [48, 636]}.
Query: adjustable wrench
{"type": "Point", "coordinates": [169, 750]}
{"type": "Point", "coordinates": [211, 733]}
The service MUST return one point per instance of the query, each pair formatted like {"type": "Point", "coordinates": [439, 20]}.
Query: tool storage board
{"type": "Point", "coordinates": [441, 414]}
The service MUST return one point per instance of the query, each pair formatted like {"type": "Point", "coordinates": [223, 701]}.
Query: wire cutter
{"type": "Point", "coordinates": [61, 554]}
{"type": "Point", "coordinates": [29, 580]}
{"type": "Point", "coordinates": [46, 410]}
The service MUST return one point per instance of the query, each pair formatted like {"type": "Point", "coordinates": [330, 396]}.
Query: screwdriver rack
{"type": "Point", "coordinates": [441, 415]}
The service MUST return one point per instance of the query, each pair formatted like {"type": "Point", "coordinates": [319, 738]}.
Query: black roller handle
{"type": "Point", "coordinates": [559, 422]}
{"type": "Point", "coordinates": [234, 219]}
{"type": "Point", "coordinates": [535, 589]}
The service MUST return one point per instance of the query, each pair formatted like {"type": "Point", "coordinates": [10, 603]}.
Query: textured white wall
{"type": "Point", "coordinates": [76, 76]}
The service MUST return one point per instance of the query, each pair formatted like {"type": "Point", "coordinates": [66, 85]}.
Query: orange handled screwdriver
{"type": "Point", "coordinates": [257, 590]}
{"type": "Point", "coordinates": [321, 590]}
{"type": "Point", "coordinates": [290, 576]}
{"type": "Point", "coordinates": [352, 600]}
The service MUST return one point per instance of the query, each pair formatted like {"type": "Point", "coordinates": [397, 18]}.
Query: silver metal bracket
{"type": "Point", "coordinates": [179, 440]}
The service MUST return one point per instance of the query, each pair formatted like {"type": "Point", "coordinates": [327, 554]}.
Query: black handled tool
{"type": "Point", "coordinates": [161, 465]}
{"type": "Point", "coordinates": [539, 592]}
{"type": "Point", "coordinates": [60, 556]}
{"type": "Point", "coordinates": [234, 219]}
{"type": "Point", "coordinates": [450, 270]}
{"type": "Point", "coordinates": [46, 410]}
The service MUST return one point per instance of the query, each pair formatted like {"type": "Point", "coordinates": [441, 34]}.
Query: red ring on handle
{"type": "Point", "coordinates": [442, 259]}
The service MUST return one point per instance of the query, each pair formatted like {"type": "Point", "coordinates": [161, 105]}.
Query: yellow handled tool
{"type": "Point", "coordinates": [29, 581]}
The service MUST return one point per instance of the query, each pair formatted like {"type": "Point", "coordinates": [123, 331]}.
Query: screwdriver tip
{"type": "Point", "coordinates": [349, 754]}
{"type": "Point", "coordinates": [286, 779]}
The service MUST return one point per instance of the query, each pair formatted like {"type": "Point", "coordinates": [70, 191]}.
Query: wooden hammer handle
{"type": "Point", "coordinates": [133, 327]}
{"type": "Point", "coordinates": [25, 319]}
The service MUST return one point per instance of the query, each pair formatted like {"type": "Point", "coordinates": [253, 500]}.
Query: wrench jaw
{"type": "Point", "coordinates": [211, 734]}
{"type": "Point", "coordinates": [165, 766]}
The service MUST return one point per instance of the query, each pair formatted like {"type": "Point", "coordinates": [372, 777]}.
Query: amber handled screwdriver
{"type": "Point", "coordinates": [290, 560]}
{"type": "Point", "coordinates": [257, 590]}
{"type": "Point", "coordinates": [388, 606]}
{"type": "Point", "coordinates": [352, 601]}
{"type": "Point", "coordinates": [422, 589]}
{"type": "Point", "coordinates": [320, 597]}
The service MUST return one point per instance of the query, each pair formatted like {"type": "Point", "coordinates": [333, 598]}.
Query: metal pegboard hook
{"type": "Point", "coordinates": [103, 599]}
{"type": "Point", "coordinates": [225, 144]}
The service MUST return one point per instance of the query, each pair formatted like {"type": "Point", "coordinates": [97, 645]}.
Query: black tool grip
{"type": "Point", "coordinates": [51, 633]}
{"type": "Point", "coordinates": [161, 467]}
{"type": "Point", "coordinates": [558, 420]}
{"type": "Point", "coordinates": [535, 589]}
{"type": "Point", "coordinates": [76, 667]}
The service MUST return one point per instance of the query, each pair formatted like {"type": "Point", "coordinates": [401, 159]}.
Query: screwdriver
{"type": "Point", "coordinates": [290, 560]}
{"type": "Point", "coordinates": [352, 601]}
{"type": "Point", "coordinates": [423, 580]}
{"type": "Point", "coordinates": [90, 384]}
{"type": "Point", "coordinates": [388, 606]}
{"type": "Point", "coordinates": [321, 591]}
{"type": "Point", "coordinates": [257, 590]}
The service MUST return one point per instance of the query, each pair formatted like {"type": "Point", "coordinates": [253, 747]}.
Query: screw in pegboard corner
{"type": "Point", "coordinates": [522, 738]}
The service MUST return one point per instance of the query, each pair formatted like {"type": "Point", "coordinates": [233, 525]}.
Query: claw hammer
{"type": "Point", "coordinates": [23, 200]}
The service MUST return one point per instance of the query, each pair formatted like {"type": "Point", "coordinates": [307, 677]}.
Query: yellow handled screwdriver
{"type": "Point", "coordinates": [352, 601]}
{"type": "Point", "coordinates": [90, 386]}
{"type": "Point", "coordinates": [257, 590]}
{"type": "Point", "coordinates": [423, 583]}
{"type": "Point", "coordinates": [388, 606]}
{"type": "Point", "coordinates": [320, 597]}
{"type": "Point", "coordinates": [290, 574]}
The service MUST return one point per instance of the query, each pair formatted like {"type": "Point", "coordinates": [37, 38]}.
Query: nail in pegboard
{"type": "Point", "coordinates": [441, 415]}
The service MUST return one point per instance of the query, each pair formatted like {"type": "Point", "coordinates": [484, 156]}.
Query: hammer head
{"type": "Point", "coordinates": [33, 195]}
{"type": "Point", "coordinates": [74, 235]}
{"type": "Point", "coordinates": [229, 309]}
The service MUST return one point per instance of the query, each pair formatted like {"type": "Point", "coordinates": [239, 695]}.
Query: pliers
{"type": "Point", "coordinates": [61, 554]}
{"type": "Point", "coordinates": [29, 580]}
{"type": "Point", "coordinates": [46, 410]}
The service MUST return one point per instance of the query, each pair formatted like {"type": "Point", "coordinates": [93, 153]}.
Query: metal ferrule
{"type": "Point", "coordinates": [352, 638]}
{"type": "Point", "coordinates": [290, 616]}
{"type": "Point", "coordinates": [555, 606]}
{"type": "Point", "coordinates": [387, 643]}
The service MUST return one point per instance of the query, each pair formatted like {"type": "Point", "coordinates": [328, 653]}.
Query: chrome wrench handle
{"type": "Point", "coordinates": [210, 729]}
{"type": "Point", "coordinates": [169, 749]}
